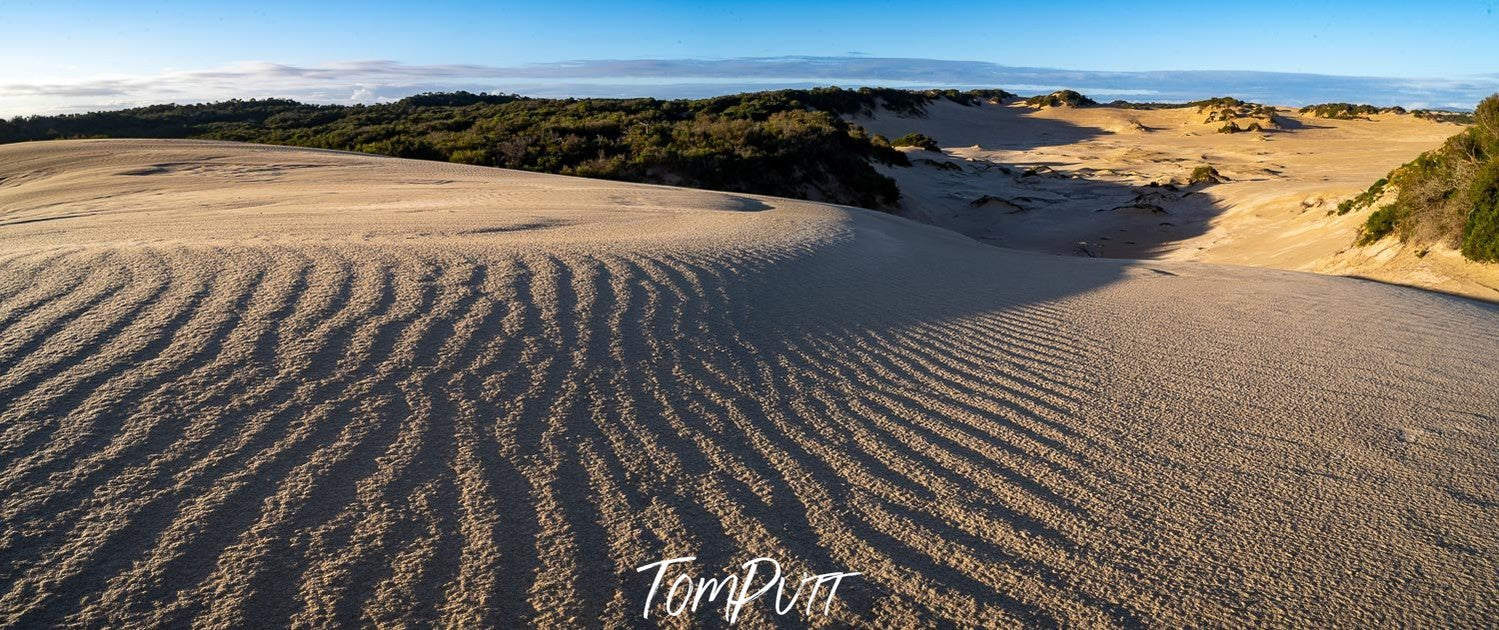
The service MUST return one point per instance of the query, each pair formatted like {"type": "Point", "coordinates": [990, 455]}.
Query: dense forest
{"type": "Point", "coordinates": [1449, 195]}
{"type": "Point", "coordinates": [790, 143]}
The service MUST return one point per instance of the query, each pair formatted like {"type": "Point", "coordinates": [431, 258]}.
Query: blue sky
{"type": "Point", "coordinates": [56, 51]}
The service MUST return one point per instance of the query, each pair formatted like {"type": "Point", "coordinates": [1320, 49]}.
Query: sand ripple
{"type": "Point", "coordinates": [344, 394]}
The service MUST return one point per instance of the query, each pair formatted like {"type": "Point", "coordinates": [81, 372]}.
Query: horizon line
{"type": "Point", "coordinates": [374, 81]}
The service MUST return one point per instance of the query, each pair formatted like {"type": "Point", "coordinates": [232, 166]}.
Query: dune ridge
{"type": "Point", "coordinates": [263, 385]}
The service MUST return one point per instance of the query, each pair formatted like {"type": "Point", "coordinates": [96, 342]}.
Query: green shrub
{"type": "Point", "coordinates": [1348, 111]}
{"type": "Point", "coordinates": [1380, 224]}
{"type": "Point", "coordinates": [1061, 98]}
{"type": "Point", "coordinates": [403, 147]}
{"type": "Point", "coordinates": [1446, 195]}
{"type": "Point", "coordinates": [1481, 233]}
{"type": "Point", "coordinates": [470, 156]}
{"type": "Point", "coordinates": [1204, 174]}
{"type": "Point", "coordinates": [918, 140]}
{"type": "Point", "coordinates": [1437, 115]}
{"type": "Point", "coordinates": [1363, 199]}
{"type": "Point", "coordinates": [974, 97]}
{"type": "Point", "coordinates": [1203, 105]}
{"type": "Point", "coordinates": [1486, 121]}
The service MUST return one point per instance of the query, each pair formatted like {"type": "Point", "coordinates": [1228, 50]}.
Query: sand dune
{"type": "Point", "coordinates": [1096, 163]}
{"type": "Point", "coordinates": [253, 385]}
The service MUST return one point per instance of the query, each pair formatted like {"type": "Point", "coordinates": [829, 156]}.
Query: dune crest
{"type": "Point", "coordinates": [266, 385]}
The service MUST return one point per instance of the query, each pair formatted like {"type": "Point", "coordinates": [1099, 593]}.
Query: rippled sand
{"type": "Point", "coordinates": [247, 385]}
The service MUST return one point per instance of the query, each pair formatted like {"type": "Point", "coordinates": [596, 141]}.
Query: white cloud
{"type": "Point", "coordinates": [363, 94]}
{"type": "Point", "coordinates": [370, 81]}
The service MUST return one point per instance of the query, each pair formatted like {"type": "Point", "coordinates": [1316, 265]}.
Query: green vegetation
{"type": "Point", "coordinates": [1230, 127]}
{"type": "Point", "coordinates": [1348, 111]}
{"type": "Point", "coordinates": [1380, 224]}
{"type": "Point", "coordinates": [1222, 108]}
{"type": "Point", "coordinates": [1219, 103]}
{"type": "Point", "coordinates": [1227, 109]}
{"type": "Point", "coordinates": [1200, 105]}
{"type": "Point", "coordinates": [1363, 199]}
{"type": "Point", "coordinates": [913, 139]}
{"type": "Point", "coordinates": [972, 96]}
{"type": "Point", "coordinates": [1060, 98]}
{"type": "Point", "coordinates": [1123, 104]}
{"type": "Point", "coordinates": [1481, 232]}
{"type": "Point", "coordinates": [1437, 115]}
{"type": "Point", "coordinates": [1449, 195]}
{"type": "Point", "coordinates": [1205, 174]}
{"type": "Point", "coordinates": [792, 143]}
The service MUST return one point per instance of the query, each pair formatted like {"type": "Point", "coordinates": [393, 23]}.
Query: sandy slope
{"type": "Point", "coordinates": [260, 385]}
{"type": "Point", "coordinates": [1092, 194]}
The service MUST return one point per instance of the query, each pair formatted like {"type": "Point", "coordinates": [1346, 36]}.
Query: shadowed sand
{"type": "Point", "coordinates": [255, 385]}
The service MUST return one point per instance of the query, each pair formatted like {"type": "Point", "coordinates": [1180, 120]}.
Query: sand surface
{"type": "Point", "coordinates": [1075, 181]}
{"type": "Point", "coordinates": [246, 385]}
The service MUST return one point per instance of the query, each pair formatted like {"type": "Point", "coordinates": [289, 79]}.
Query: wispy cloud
{"type": "Point", "coordinates": [371, 81]}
